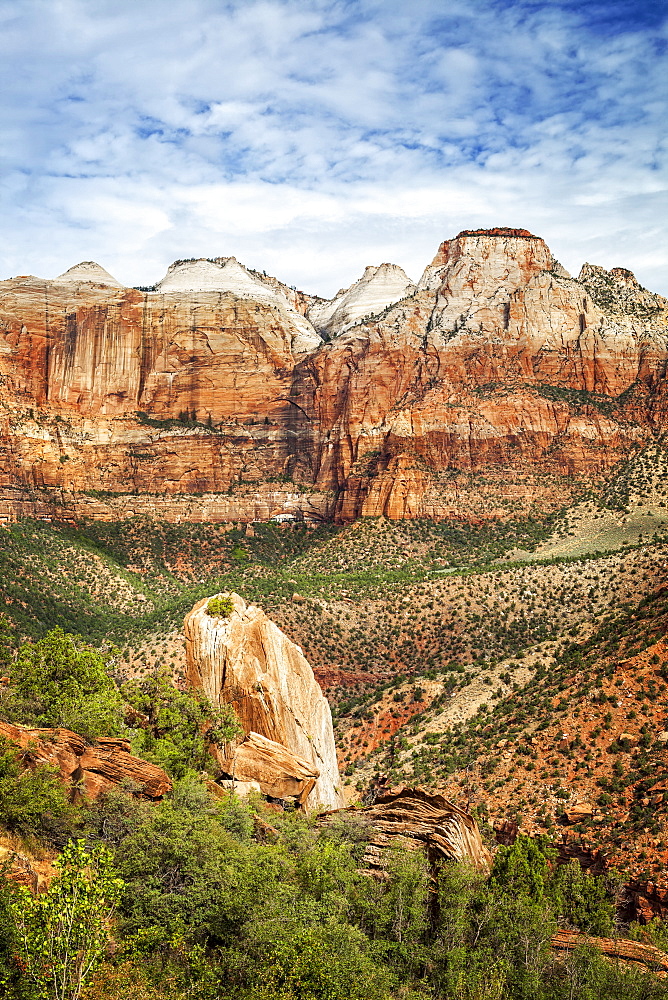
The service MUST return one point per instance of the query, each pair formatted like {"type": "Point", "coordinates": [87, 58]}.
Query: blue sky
{"type": "Point", "coordinates": [311, 138]}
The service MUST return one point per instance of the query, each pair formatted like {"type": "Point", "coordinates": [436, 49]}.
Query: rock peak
{"type": "Point", "coordinates": [484, 254]}
{"type": "Point", "coordinates": [522, 234]}
{"type": "Point", "coordinates": [89, 270]}
{"type": "Point", "coordinates": [379, 287]}
{"type": "Point", "coordinates": [246, 661]}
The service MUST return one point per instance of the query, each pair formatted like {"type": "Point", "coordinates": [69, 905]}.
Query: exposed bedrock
{"type": "Point", "coordinates": [93, 768]}
{"type": "Point", "coordinates": [246, 661]}
{"type": "Point", "coordinates": [217, 382]}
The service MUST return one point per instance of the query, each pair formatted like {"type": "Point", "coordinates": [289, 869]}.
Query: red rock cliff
{"type": "Point", "coordinates": [498, 361]}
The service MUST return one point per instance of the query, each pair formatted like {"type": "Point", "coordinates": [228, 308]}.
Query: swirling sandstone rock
{"type": "Point", "coordinates": [247, 662]}
{"type": "Point", "coordinates": [415, 818]}
{"type": "Point", "coordinates": [95, 768]}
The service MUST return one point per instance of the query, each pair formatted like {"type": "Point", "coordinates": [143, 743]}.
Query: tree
{"type": "Point", "coordinates": [62, 933]}
{"type": "Point", "coordinates": [179, 727]}
{"type": "Point", "coordinates": [32, 800]}
{"type": "Point", "coordinates": [61, 681]}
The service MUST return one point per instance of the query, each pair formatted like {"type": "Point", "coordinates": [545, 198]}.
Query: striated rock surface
{"type": "Point", "coordinates": [416, 818]}
{"type": "Point", "coordinates": [644, 956]}
{"type": "Point", "coordinates": [93, 768]}
{"type": "Point", "coordinates": [499, 360]}
{"type": "Point", "coordinates": [272, 768]}
{"type": "Point", "coordinates": [246, 661]}
{"type": "Point", "coordinates": [226, 274]}
{"type": "Point", "coordinates": [497, 363]}
{"type": "Point", "coordinates": [378, 288]}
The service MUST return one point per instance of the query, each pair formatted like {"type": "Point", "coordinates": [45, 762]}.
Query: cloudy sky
{"type": "Point", "coordinates": [312, 137]}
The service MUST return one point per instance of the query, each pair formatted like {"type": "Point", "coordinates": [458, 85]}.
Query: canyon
{"type": "Point", "coordinates": [495, 384]}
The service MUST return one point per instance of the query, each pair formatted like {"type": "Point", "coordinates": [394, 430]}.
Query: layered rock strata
{"type": "Point", "coordinates": [497, 362]}
{"type": "Point", "coordinates": [270, 767]}
{"type": "Point", "coordinates": [91, 768]}
{"type": "Point", "coordinates": [378, 288]}
{"type": "Point", "coordinates": [415, 819]}
{"type": "Point", "coordinates": [247, 662]}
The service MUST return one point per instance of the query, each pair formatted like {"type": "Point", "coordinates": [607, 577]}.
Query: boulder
{"type": "Point", "coordinates": [246, 661]}
{"type": "Point", "coordinates": [95, 768]}
{"type": "Point", "coordinates": [579, 811]}
{"type": "Point", "coordinates": [416, 818]}
{"type": "Point", "coordinates": [270, 767]}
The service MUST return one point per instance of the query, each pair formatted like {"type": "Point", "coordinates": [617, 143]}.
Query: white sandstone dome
{"type": "Point", "coordinates": [378, 288]}
{"type": "Point", "coordinates": [91, 272]}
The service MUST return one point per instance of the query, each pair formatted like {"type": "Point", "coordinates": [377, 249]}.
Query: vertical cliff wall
{"type": "Point", "coordinates": [216, 381]}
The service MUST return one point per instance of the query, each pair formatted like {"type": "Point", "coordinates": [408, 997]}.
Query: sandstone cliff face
{"type": "Point", "coordinates": [218, 383]}
{"type": "Point", "coordinates": [500, 359]}
{"type": "Point", "coordinates": [378, 288]}
{"type": "Point", "coordinates": [246, 661]}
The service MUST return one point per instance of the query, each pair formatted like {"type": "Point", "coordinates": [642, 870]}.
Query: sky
{"type": "Point", "coordinates": [310, 138]}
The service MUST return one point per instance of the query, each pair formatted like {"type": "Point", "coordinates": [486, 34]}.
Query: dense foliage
{"type": "Point", "coordinates": [209, 906]}
{"type": "Point", "coordinates": [222, 898]}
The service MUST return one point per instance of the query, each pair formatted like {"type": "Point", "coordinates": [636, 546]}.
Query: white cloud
{"type": "Point", "coordinates": [313, 138]}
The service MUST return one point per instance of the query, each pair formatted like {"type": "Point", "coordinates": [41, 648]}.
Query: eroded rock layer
{"type": "Point", "coordinates": [217, 383]}
{"type": "Point", "coordinates": [245, 661]}
{"type": "Point", "coordinates": [94, 768]}
{"type": "Point", "coordinates": [415, 818]}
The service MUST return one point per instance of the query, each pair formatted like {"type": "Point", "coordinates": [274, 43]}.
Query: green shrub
{"type": "Point", "coordinates": [220, 606]}
{"type": "Point", "coordinates": [32, 801]}
{"type": "Point", "coordinates": [181, 727]}
{"type": "Point", "coordinates": [62, 681]}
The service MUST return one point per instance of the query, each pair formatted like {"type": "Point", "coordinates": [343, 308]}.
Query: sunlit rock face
{"type": "Point", "coordinates": [93, 769]}
{"type": "Point", "coordinates": [378, 288]}
{"type": "Point", "coordinates": [246, 661]}
{"type": "Point", "coordinates": [219, 383]}
{"type": "Point", "coordinates": [499, 360]}
{"type": "Point", "coordinates": [90, 272]}
{"type": "Point", "coordinates": [416, 819]}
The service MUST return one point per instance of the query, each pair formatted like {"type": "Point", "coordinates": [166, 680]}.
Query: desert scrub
{"type": "Point", "coordinates": [220, 606]}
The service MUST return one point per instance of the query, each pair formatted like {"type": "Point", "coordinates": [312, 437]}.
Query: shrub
{"type": "Point", "coordinates": [220, 606]}
{"type": "Point", "coordinates": [62, 933]}
{"type": "Point", "coordinates": [62, 681]}
{"type": "Point", "coordinates": [182, 726]}
{"type": "Point", "coordinates": [32, 801]}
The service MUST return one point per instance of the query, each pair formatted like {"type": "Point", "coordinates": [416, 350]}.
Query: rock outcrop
{"type": "Point", "coordinates": [497, 364]}
{"type": "Point", "coordinates": [271, 767]}
{"type": "Point", "coordinates": [416, 819]}
{"type": "Point", "coordinates": [89, 272]}
{"type": "Point", "coordinates": [91, 768]}
{"type": "Point", "coordinates": [633, 953]}
{"type": "Point", "coordinates": [247, 662]}
{"type": "Point", "coordinates": [378, 288]}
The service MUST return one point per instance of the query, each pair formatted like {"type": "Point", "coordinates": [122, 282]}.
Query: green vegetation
{"type": "Point", "coordinates": [206, 909]}
{"type": "Point", "coordinates": [220, 607]}
{"type": "Point", "coordinates": [61, 934]}
{"type": "Point", "coordinates": [177, 729]}
{"type": "Point", "coordinates": [223, 898]}
{"type": "Point", "coordinates": [61, 681]}
{"type": "Point", "coordinates": [33, 801]}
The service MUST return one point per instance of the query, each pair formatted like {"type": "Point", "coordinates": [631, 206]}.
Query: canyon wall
{"type": "Point", "coordinates": [496, 370]}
